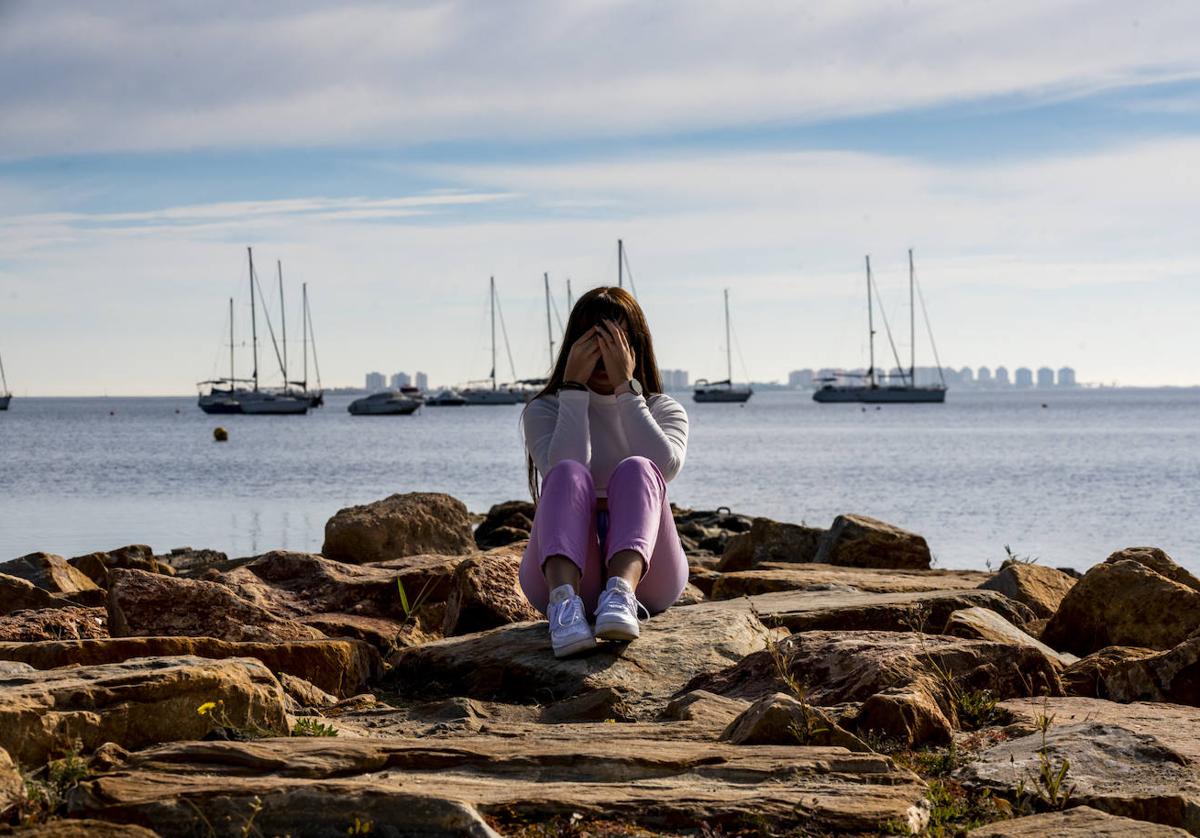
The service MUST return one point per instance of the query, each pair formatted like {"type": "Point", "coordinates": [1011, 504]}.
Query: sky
{"type": "Point", "coordinates": [1041, 159]}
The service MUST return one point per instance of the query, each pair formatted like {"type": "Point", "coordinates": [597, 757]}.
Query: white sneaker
{"type": "Point", "coordinates": [569, 629]}
{"type": "Point", "coordinates": [618, 611]}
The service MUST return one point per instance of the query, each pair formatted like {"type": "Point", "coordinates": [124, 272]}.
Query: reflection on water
{"type": "Point", "coordinates": [1091, 472]}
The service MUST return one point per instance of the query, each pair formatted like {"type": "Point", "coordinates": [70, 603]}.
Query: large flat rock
{"type": "Point", "coordinates": [1139, 761]}
{"type": "Point", "coordinates": [853, 611]}
{"type": "Point", "coordinates": [515, 662]}
{"type": "Point", "coordinates": [770, 577]}
{"type": "Point", "coordinates": [1080, 822]}
{"type": "Point", "coordinates": [433, 787]}
{"type": "Point", "coordinates": [134, 704]}
{"type": "Point", "coordinates": [340, 667]}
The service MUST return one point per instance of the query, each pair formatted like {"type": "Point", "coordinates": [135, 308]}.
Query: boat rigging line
{"type": "Point", "coordinates": [888, 329]}
{"type": "Point", "coordinates": [925, 314]}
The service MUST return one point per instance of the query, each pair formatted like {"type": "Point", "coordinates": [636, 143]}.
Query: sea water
{"type": "Point", "coordinates": [1065, 476]}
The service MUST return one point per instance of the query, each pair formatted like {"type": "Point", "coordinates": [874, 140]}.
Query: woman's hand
{"type": "Point", "coordinates": [619, 362]}
{"type": "Point", "coordinates": [582, 358]}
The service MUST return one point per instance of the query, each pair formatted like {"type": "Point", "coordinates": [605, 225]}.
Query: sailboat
{"type": "Point", "coordinates": [5, 393]}
{"type": "Point", "coordinates": [872, 390]}
{"type": "Point", "coordinates": [226, 396]}
{"type": "Point", "coordinates": [723, 391]}
{"type": "Point", "coordinates": [496, 394]}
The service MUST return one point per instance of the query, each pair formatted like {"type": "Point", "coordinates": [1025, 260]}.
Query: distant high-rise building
{"type": "Point", "coordinates": [1001, 376]}
{"type": "Point", "coordinates": [1045, 377]}
{"type": "Point", "coordinates": [1024, 377]}
{"type": "Point", "coordinates": [400, 379]}
{"type": "Point", "coordinates": [966, 375]}
{"type": "Point", "coordinates": [376, 381]}
{"type": "Point", "coordinates": [422, 381]}
{"type": "Point", "coordinates": [984, 376]}
{"type": "Point", "coordinates": [1066, 377]}
{"type": "Point", "coordinates": [674, 380]}
{"type": "Point", "coordinates": [826, 373]}
{"type": "Point", "coordinates": [800, 378]}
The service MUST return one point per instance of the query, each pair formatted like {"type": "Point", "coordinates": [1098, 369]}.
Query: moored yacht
{"type": "Point", "coordinates": [384, 403]}
{"type": "Point", "coordinates": [723, 391]}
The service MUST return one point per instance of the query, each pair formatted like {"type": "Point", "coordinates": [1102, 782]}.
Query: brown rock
{"type": "Point", "coordinates": [1140, 761]}
{"type": "Point", "coordinates": [1121, 673]}
{"type": "Point", "coordinates": [505, 524]}
{"type": "Point", "coordinates": [1040, 588]}
{"type": "Point", "coordinates": [515, 662]}
{"type": "Point", "coordinates": [135, 704]}
{"type": "Point", "coordinates": [439, 786]}
{"type": "Point", "coordinates": [800, 611]}
{"type": "Point", "coordinates": [401, 525]}
{"type": "Point", "coordinates": [1080, 822]}
{"type": "Point", "coordinates": [771, 577]}
{"type": "Point", "coordinates": [341, 667]}
{"type": "Point", "coordinates": [190, 560]}
{"type": "Point", "coordinates": [12, 786]}
{"type": "Point", "coordinates": [908, 668]}
{"type": "Point", "coordinates": [49, 572]}
{"type": "Point", "coordinates": [486, 593]}
{"type": "Point", "coordinates": [18, 594]}
{"type": "Point", "coordinates": [141, 603]}
{"type": "Point", "coordinates": [780, 719]}
{"type": "Point", "coordinates": [770, 541]}
{"type": "Point", "coordinates": [1159, 562]}
{"type": "Point", "coordinates": [985, 624]}
{"type": "Point", "coordinates": [691, 595]}
{"type": "Point", "coordinates": [701, 705]}
{"type": "Point", "coordinates": [859, 541]}
{"type": "Point", "coordinates": [81, 828]}
{"type": "Point", "coordinates": [305, 694]}
{"type": "Point", "coordinates": [134, 557]}
{"type": "Point", "coordinates": [1123, 603]}
{"type": "Point", "coordinates": [66, 623]}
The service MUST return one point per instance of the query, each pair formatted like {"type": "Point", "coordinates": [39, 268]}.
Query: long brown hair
{"type": "Point", "coordinates": [604, 303]}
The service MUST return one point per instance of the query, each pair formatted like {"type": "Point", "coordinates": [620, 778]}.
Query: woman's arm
{"type": "Point", "coordinates": [657, 432]}
{"type": "Point", "coordinates": [557, 430]}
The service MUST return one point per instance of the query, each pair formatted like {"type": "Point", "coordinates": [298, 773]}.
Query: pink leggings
{"type": "Point", "coordinates": [639, 519]}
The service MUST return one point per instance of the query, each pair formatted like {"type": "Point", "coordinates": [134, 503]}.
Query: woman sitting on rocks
{"type": "Point", "coordinates": [605, 440]}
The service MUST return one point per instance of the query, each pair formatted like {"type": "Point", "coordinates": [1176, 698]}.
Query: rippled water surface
{"type": "Point", "coordinates": [1092, 471]}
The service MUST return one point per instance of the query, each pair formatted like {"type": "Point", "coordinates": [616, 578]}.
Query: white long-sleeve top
{"type": "Point", "coordinates": [600, 431]}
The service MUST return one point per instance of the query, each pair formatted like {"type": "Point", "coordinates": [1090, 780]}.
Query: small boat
{"type": "Point", "coordinates": [5, 393]}
{"type": "Point", "coordinates": [446, 398]}
{"type": "Point", "coordinates": [384, 403]}
{"type": "Point", "coordinates": [873, 390]}
{"type": "Point", "coordinates": [723, 391]}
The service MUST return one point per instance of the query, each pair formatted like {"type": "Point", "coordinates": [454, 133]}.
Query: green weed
{"type": "Point", "coordinates": [311, 727]}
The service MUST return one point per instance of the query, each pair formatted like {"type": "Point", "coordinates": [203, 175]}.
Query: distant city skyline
{"type": "Point", "coordinates": [1037, 158]}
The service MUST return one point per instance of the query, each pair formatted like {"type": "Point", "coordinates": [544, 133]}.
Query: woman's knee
{"type": "Point", "coordinates": [570, 474]}
{"type": "Point", "coordinates": [641, 469]}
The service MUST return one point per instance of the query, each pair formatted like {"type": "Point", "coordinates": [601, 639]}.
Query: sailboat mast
{"type": "Point", "coordinates": [620, 264]}
{"type": "Point", "coordinates": [304, 325]}
{"type": "Point", "coordinates": [870, 326]}
{"type": "Point", "coordinates": [912, 325]}
{"type": "Point", "coordinates": [728, 348]}
{"type": "Point", "coordinates": [253, 320]}
{"type": "Point", "coordinates": [493, 293]}
{"type": "Point", "coordinates": [282, 322]}
{"type": "Point", "coordinates": [570, 299]}
{"type": "Point", "coordinates": [549, 328]}
{"type": "Point", "coordinates": [231, 369]}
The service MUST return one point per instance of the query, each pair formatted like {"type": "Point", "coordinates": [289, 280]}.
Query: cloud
{"type": "Point", "coordinates": [167, 75]}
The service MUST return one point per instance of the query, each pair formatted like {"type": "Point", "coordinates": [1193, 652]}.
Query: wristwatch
{"type": "Point", "coordinates": [634, 386]}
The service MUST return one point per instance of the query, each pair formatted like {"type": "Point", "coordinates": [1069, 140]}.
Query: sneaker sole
{"type": "Point", "coordinates": [576, 647]}
{"type": "Point", "coordinates": [617, 631]}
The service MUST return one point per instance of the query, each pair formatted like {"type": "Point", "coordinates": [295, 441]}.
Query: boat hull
{"type": "Point", "coordinates": [880, 395]}
{"type": "Point", "coordinates": [726, 396]}
{"type": "Point", "coordinates": [394, 407]}
{"type": "Point", "coordinates": [492, 397]}
{"type": "Point", "coordinates": [4, 400]}
{"type": "Point", "coordinates": [271, 404]}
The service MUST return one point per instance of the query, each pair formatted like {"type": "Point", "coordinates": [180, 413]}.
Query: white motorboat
{"type": "Point", "coordinates": [446, 398]}
{"type": "Point", "coordinates": [384, 403]}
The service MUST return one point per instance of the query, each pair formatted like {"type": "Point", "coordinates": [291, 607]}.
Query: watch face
{"type": "Point", "coordinates": [635, 386]}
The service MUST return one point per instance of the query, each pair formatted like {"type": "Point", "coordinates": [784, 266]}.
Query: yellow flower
{"type": "Point", "coordinates": [206, 707]}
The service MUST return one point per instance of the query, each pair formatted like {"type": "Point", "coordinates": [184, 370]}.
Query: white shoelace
{"type": "Point", "coordinates": [569, 612]}
{"type": "Point", "coordinates": [616, 599]}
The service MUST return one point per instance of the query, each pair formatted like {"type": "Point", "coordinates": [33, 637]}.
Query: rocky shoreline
{"type": "Point", "coordinates": [810, 682]}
